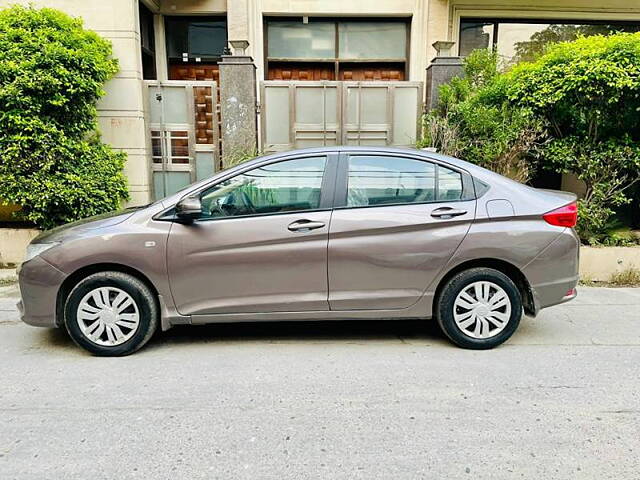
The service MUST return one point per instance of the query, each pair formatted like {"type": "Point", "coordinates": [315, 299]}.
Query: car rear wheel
{"type": "Point", "coordinates": [111, 314]}
{"type": "Point", "coordinates": [479, 308]}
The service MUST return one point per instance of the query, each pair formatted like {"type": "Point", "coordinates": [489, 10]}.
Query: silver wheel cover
{"type": "Point", "coordinates": [482, 310]}
{"type": "Point", "coordinates": [108, 316]}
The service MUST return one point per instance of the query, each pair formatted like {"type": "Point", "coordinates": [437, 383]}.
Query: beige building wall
{"type": "Point", "coordinates": [433, 20]}
{"type": "Point", "coordinates": [245, 19]}
{"type": "Point", "coordinates": [120, 111]}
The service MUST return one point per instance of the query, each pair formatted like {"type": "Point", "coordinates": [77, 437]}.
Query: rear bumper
{"type": "Point", "coordinates": [548, 295]}
{"type": "Point", "coordinates": [39, 285]}
{"type": "Point", "coordinates": [553, 274]}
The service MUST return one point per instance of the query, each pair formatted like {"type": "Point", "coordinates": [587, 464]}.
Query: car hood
{"type": "Point", "coordinates": [90, 223]}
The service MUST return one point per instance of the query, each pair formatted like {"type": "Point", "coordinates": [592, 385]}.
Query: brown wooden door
{"type": "Point", "coordinates": [204, 105]}
{"type": "Point", "coordinates": [371, 72]}
{"type": "Point", "coordinates": [301, 71]}
{"type": "Point", "coordinates": [360, 72]}
{"type": "Point", "coordinates": [193, 72]}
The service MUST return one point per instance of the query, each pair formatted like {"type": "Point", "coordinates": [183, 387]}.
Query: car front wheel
{"type": "Point", "coordinates": [479, 308]}
{"type": "Point", "coordinates": [111, 314]}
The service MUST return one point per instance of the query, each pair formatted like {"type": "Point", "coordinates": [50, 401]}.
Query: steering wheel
{"type": "Point", "coordinates": [216, 210]}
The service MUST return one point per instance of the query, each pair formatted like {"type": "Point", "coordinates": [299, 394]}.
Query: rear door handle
{"type": "Point", "coordinates": [304, 225]}
{"type": "Point", "coordinates": [447, 212]}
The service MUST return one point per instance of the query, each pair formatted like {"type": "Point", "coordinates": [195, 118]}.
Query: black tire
{"type": "Point", "coordinates": [445, 308]}
{"type": "Point", "coordinates": [140, 293]}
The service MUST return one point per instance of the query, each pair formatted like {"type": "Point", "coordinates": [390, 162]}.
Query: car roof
{"type": "Point", "coordinates": [362, 149]}
{"type": "Point", "coordinates": [427, 154]}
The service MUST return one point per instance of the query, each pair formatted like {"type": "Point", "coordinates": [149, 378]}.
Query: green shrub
{"type": "Point", "coordinates": [574, 110]}
{"type": "Point", "coordinates": [52, 163]}
{"type": "Point", "coordinates": [475, 121]}
{"type": "Point", "coordinates": [607, 168]}
{"type": "Point", "coordinates": [588, 93]}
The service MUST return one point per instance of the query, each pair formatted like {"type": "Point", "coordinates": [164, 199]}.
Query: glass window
{"type": "Point", "coordinates": [198, 37]}
{"type": "Point", "coordinates": [294, 39]}
{"type": "Point", "coordinates": [147, 43]}
{"type": "Point", "coordinates": [526, 41]}
{"type": "Point", "coordinates": [523, 41]}
{"type": "Point", "coordinates": [291, 39]}
{"type": "Point", "coordinates": [372, 40]}
{"type": "Point", "coordinates": [288, 186]}
{"type": "Point", "coordinates": [474, 35]}
{"type": "Point", "coordinates": [174, 145]}
{"type": "Point", "coordinates": [375, 180]}
{"type": "Point", "coordinates": [449, 184]}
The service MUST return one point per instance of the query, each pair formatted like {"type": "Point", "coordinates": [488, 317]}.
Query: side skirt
{"type": "Point", "coordinates": [419, 310]}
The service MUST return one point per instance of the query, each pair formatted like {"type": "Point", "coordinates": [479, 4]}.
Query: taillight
{"type": "Point", "coordinates": [566, 216]}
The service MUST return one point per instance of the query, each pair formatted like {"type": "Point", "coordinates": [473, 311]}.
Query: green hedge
{"type": "Point", "coordinates": [475, 121]}
{"type": "Point", "coordinates": [588, 94]}
{"type": "Point", "coordinates": [52, 162]}
{"type": "Point", "coordinates": [575, 110]}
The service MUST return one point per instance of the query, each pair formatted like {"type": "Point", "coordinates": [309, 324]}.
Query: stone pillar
{"type": "Point", "coordinates": [442, 69]}
{"type": "Point", "coordinates": [238, 104]}
{"type": "Point", "coordinates": [238, 20]}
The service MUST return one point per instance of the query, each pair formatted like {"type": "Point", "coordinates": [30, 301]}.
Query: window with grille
{"type": "Point", "coordinates": [325, 49]}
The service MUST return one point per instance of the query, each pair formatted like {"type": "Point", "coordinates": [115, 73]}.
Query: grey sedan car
{"type": "Point", "coordinates": [325, 233]}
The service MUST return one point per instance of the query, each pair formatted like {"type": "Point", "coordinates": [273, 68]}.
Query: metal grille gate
{"type": "Point", "coordinates": [306, 114]}
{"type": "Point", "coordinates": [183, 126]}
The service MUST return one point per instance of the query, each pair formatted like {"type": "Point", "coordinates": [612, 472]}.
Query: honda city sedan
{"type": "Point", "coordinates": [326, 233]}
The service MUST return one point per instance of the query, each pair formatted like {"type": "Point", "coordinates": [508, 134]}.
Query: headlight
{"type": "Point", "coordinates": [35, 249]}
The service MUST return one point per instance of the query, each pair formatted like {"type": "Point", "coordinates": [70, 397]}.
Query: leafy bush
{"type": "Point", "coordinates": [52, 163]}
{"type": "Point", "coordinates": [574, 110]}
{"type": "Point", "coordinates": [590, 87]}
{"type": "Point", "coordinates": [588, 93]}
{"type": "Point", "coordinates": [475, 121]}
{"type": "Point", "coordinates": [607, 168]}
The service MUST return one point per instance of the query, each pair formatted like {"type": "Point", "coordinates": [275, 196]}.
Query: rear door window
{"type": "Point", "coordinates": [375, 180]}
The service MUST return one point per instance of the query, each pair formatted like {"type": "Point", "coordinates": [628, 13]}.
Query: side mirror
{"type": "Point", "coordinates": [188, 209]}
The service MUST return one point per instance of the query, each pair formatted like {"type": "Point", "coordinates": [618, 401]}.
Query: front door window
{"type": "Point", "coordinates": [289, 186]}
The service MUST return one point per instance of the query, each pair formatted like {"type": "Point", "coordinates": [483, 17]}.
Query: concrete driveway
{"type": "Point", "coordinates": [344, 400]}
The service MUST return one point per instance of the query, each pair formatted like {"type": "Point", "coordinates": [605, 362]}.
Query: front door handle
{"type": "Point", "coordinates": [304, 225]}
{"type": "Point", "coordinates": [447, 212]}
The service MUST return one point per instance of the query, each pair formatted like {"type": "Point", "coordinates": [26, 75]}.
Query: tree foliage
{"type": "Point", "coordinates": [530, 50]}
{"type": "Point", "coordinates": [475, 121]}
{"type": "Point", "coordinates": [588, 93]}
{"type": "Point", "coordinates": [52, 162]}
{"type": "Point", "coordinates": [574, 110]}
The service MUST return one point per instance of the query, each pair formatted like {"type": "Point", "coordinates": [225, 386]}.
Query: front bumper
{"type": "Point", "coordinates": [39, 285]}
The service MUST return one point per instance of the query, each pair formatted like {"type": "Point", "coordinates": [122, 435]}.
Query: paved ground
{"type": "Point", "coordinates": [368, 400]}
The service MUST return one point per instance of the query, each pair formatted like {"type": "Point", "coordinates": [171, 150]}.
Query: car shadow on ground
{"type": "Point", "coordinates": [291, 332]}
{"type": "Point", "coordinates": [346, 331]}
